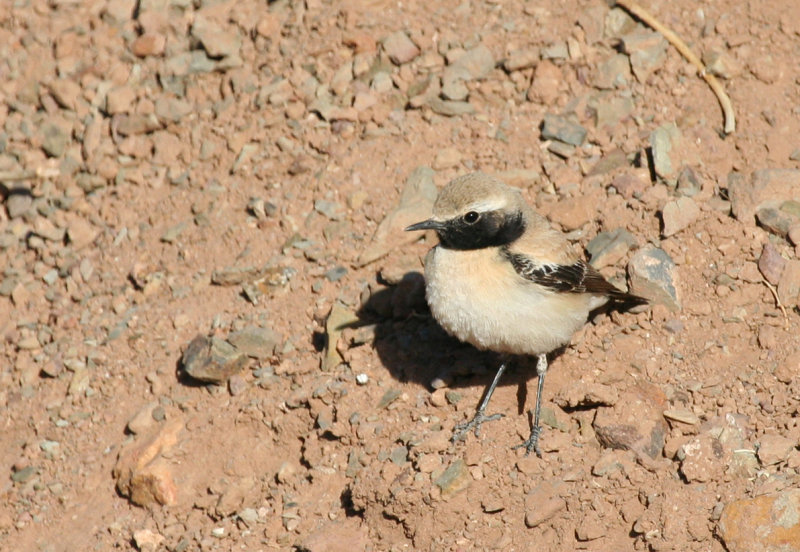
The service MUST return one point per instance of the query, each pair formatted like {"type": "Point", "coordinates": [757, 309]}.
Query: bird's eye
{"type": "Point", "coordinates": [472, 217]}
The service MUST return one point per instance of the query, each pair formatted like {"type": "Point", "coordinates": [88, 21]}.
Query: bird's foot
{"type": "Point", "coordinates": [461, 430]}
{"type": "Point", "coordinates": [532, 444]}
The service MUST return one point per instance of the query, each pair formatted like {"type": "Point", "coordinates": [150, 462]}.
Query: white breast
{"type": "Point", "coordinates": [479, 298]}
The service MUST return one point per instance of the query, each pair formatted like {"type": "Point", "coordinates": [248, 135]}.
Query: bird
{"type": "Point", "coordinates": [503, 279]}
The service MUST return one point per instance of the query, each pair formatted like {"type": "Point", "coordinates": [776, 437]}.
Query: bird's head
{"type": "Point", "coordinates": [475, 211]}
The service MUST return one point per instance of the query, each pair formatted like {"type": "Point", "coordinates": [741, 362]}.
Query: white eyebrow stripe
{"type": "Point", "coordinates": [489, 204]}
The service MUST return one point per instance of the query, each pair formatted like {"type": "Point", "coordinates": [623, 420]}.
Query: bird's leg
{"type": "Point", "coordinates": [532, 444]}
{"type": "Point", "coordinates": [480, 415]}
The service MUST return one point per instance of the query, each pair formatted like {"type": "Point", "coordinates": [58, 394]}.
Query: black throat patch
{"type": "Point", "coordinates": [493, 229]}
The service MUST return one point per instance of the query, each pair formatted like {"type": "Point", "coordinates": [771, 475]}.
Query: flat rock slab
{"type": "Point", "coordinates": [768, 523]}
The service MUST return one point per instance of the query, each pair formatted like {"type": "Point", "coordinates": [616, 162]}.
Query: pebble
{"type": "Point", "coordinates": [19, 203]}
{"type": "Point", "coordinates": [521, 59]}
{"type": "Point", "coordinates": [583, 394]}
{"type": "Point", "coordinates": [149, 44]}
{"type": "Point", "coordinates": [477, 62]}
{"type": "Point", "coordinates": [721, 64]}
{"type": "Point", "coordinates": [54, 139]}
{"type": "Point", "coordinates": [329, 209]}
{"type": "Point", "coordinates": [256, 342]}
{"type": "Point", "coordinates": [142, 473]}
{"type": "Point", "coordinates": [446, 158]}
{"type": "Point", "coordinates": [120, 99]}
{"type": "Point", "coordinates": [767, 523]}
{"type": "Point", "coordinates": [416, 203]}
{"type": "Point", "coordinates": [773, 449]}
{"type": "Point", "coordinates": [336, 273]}
{"type": "Point", "coordinates": [702, 458]}
{"type": "Point", "coordinates": [614, 72]}
{"type": "Point", "coordinates": [450, 108]}
{"type": "Point", "coordinates": [146, 540]}
{"type": "Point", "coordinates": [455, 478]}
{"type": "Point", "coordinates": [558, 127]}
{"type": "Point", "coordinates": [212, 360]}
{"type": "Point", "coordinates": [143, 420]}
{"type": "Point", "coordinates": [338, 319]}
{"type": "Point", "coordinates": [541, 505]}
{"type": "Point", "coordinates": [81, 233]}
{"type": "Point", "coordinates": [635, 422]}
{"type": "Point", "coordinates": [647, 51]}
{"type": "Point", "coordinates": [747, 195]}
{"type": "Point", "coordinates": [776, 221]}
{"type": "Point", "coordinates": [546, 83]}
{"type": "Point", "coordinates": [400, 48]}
{"type": "Point", "coordinates": [610, 247]}
{"type": "Point", "coordinates": [789, 284]}
{"type": "Point", "coordinates": [771, 263]}
{"type": "Point", "coordinates": [574, 212]}
{"type": "Point", "coordinates": [678, 215]}
{"type": "Point", "coordinates": [217, 40]}
{"type": "Point", "coordinates": [788, 369]}
{"type": "Point", "coordinates": [653, 275]}
{"type": "Point", "coordinates": [664, 142]}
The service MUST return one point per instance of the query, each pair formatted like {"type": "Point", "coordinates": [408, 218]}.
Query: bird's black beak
{"type": "Point", "coordinates": [429, 224]}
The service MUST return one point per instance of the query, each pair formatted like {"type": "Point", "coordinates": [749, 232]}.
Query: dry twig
{"type": "Point", "coordinates": [778, 301]}
{"type": "Point", "coordinates": [724, 101]}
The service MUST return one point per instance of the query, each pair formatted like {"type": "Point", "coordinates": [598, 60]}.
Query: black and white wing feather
{"type": "Point", "coordinates": [578, 277]}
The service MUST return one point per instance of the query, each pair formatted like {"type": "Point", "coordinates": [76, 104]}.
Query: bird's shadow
{"type": "Point", "coordinates": [415, 348]}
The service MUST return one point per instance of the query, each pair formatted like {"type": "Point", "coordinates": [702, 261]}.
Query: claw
{"type": "Point", "coordinates": [461, 430]}
{"type": "Point", "coordinates": [532, 443]}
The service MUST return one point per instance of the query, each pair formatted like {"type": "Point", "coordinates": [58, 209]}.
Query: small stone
{"type": "Point", "coordinates": [771, 263]}
{"type": "Point", "coordinates": [454, 479]}
{"type": "Point", "coordinates": [172, 233]}
{"type": "Point", "coordinates": [543, 511]}
{"type": "Point", "coordinates": [335, 274]}
{"type": "Point", "coordinates": [608, 248]}
{"type": "Point", "coordinates": [446, 158]}
{"type": "Point", "coordinates": [54, 139]}
{"type": "Point", "coordinates": [775, 221]}
{"type": "Point", "coordinates": [339, 318]}
{"type": "Point", "coordinates": [142, 421]}
{"type": "Point", "coordinates": [81, 233]}
{"type": "Point", "coordinates": [477, 62]}
{"type": "Point", "coordinates": [767, 523]}
{"type": "Point", "coordinates": [635, 422]}
{"type": "Point", "coordinates": [748, 195]}
{"type": "Point", "coordinates": [416, 203]}
{"type": "Point", "coordinates": [788, 369]}
{"type": "Point", "coordinates": [66, 92]}
{"type": "Point", "coordinates": [647, 51]}
{"type": "Point", "coordinates": [574, 212]}
{"type": "Point", "coordinates": [721, 64]}
{"type": "Point", "coordinates": [679, 214]}
{"type": "Point", "coordinates": [664, 143]}
{"type": "Point", "coordinates": [120, 99]}
{"type": "Point", "coordinates": [451, 108]}
{"type": "Point", "coordinates": [400, 48]}
{"type": "Point", "coordinates": [19, 203]}
{"type": "Point", "coordinates": [557, 127]}
{"type": "Point", "coordinates": [590, 528]}
{"type": "Point", "coordinates": [653, 275]}
{"type": "Point", "coordinates": [702, 458]}
{"type": "Point", "coordinates": [255, 342]}
{"type": "Point", "coordinates": [329, 209]}
{"type": "Point", "coordinates": [546, 83]}
{"type": "Point", "coordinates": [24, 474]}
{"type": "Point", "coordinates": [146, 540]}
{"type": "Point", "coordinates": [212, 360]}
{"type": "Point", "coordinates": [169, 110]}
{"type": "Point", "coordinates": [583, 394]}
{"type": "Point", "coordinates": [681, 415]}
{"type": "Point", "coordinates": [218, 41]}
{"type": "Point", "coordinates": [286, 471]}
{"type": "Point", "coordinates": [614, 72]}
{"type": "Point", "coordinates": [630, 184]}
{"type": "Point", "coordinates": [789, 284]}
{"type": "Point", "coordinates": [149, 44]}
{"type": "Point", "coordinates": [521, 59]}
{"type": "Point", "coordinates": [142, 473]}
{"type": "Point", "coordinates": [362, 379]}
{"type": "Point", "coordinates": [773, 449]}
{"type": "Point", "coordinates": [608, 463]}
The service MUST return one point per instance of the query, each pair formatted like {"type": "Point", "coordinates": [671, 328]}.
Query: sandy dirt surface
{"type": "Point", "coordinates": [214, 332]}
